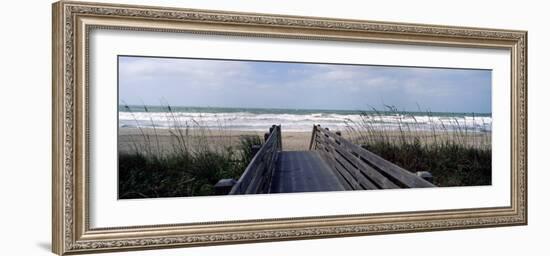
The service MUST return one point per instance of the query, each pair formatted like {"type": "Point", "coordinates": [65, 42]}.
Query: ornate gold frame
{"type": "Point", "coordinates": [72, 22]}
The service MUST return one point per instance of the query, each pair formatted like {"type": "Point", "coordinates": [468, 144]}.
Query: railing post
{"type": "Point", "coordinates": [312, 137]}
{"type": "Point", "coordinates": [427, 176]}
{"type": "Point", "coordinates": [280, 135]}
{"type": "Point", "coordinates": [224, 186]}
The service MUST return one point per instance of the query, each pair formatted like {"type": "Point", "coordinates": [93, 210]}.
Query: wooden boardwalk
{"type": "Point", "coordinates": [303, 171]}
{"type": "Point", "coordinates": [332, 163]}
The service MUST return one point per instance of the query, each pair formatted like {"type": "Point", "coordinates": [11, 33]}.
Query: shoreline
{"type": "Point", "coordinates": [218, 139]}
{"type": "Point", "coordinates": [292, 140]}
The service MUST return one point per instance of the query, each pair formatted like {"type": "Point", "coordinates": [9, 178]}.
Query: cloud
{"type": "Point", "coordinates": [297, 85]}
{"type": "Point", "coordinates": [192, 72]}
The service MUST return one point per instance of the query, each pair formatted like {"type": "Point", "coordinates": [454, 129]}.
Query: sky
{"type": "Point", "coordinates": [262, 84]}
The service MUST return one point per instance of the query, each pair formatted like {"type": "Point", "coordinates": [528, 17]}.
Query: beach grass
{"type": "Point", "coordinates": [190, 166]}
{"type": "Point", "coordinates": [455, 156]}
{"type": "Point", "coordinates": [188, 158]}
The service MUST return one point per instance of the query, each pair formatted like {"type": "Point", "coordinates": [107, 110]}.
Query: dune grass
{"type": "Point", "coordinates": [455, 156]}
{"type": "Point", "coordinates": [191, 166]}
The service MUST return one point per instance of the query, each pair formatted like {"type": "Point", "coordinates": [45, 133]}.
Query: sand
{"type": "Point", "coordinates": [292, 141]}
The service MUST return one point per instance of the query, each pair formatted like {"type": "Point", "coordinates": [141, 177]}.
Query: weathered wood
{"type": "Point", "coordinates": [224, 186]}
{"type": "Point", "coordinates": [400, 175]}
{"type": "Point", "coordinates": [347, 184]}
{"type": "Point", "coordinates": [256, 178]}
{"type": "Point", "coordinates": [367, 170]}
{"type": "Point", "coordinates": [365, 167]}
{"type": "Point", "coordinates": [331, 160]}
{"type": "Point", "coordinates": [352, 181]}
{"type": "Point", "coordinates": [303, 171]}
{"type": "Point", "coordinates": [365, 183]}
{"type": "Point", "coordinates": [349, 178]}
{"type": "Point", "coordinates": [312, 141]}
{"type": "Point", "coordinates": [342, 165]}
{"type": "Point", "coordinates": [254, 184]}
{"type": "Point", "coordinates": [425, 175]}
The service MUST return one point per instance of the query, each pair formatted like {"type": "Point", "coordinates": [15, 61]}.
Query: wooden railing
{"type": "Point", "coordinates": [257, 176]}
{"type": "Point", "coordinates": [358, 168]}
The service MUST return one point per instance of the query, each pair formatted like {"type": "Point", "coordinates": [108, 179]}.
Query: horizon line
{"type": "Point", "coordinates": [320, 109]}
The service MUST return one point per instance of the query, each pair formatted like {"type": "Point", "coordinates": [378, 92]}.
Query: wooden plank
{"type": "Point", "coordinates": [270, 159]}
{"type": "Point", "coordinates": [397, 173]}
{"type": "Point", "coordinates": [303, 171]}
{"type": "Point", "coordinates": [328, 157]}
{"type": "Point", "coordinates": [353, 183]}
{"type": "Point", "coordinates": [341, 177]}
{"type": "Point", "coordinates": [319, 145]}
{"type": "Point", "coordinates": [367, 184]}
{"type": "Point", "coordinates": [312, 141]}
{"type": "Point", "coordinates": [318, 174]}
{"type": "Point", "coordinates": [270, 169]}
{"type": "Point", "coordinates": [251, 187]}
{"type": "Point", "coordinates": [380, 180]}
{"type": "Point", "coordinates": [345, 173]}
{"type": "Point", "coordinates": [257, 175]}
{"type": "Point", "coordinates": [354, 172]}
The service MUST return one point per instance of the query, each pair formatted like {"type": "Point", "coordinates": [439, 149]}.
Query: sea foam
{"type": "Point", "coordinates": [248, 121]}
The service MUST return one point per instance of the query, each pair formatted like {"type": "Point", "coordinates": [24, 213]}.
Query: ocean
{"type": "Point", "coordinates": [259, 119]}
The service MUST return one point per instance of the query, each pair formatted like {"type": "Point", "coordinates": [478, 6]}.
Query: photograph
{"type": "Point", "coordinates": [205, 127]}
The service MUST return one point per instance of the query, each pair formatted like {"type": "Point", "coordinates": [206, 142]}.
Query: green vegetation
{"type": "Point", "coordinates": [455, 157]}
{"type": "Point", "coordinates": [190, 166]}
{"type": "Point", "coordinates": [450, 164]}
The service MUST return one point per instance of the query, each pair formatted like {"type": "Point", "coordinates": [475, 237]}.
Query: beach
{"type": "Point", "coordinates": [292, 141]}
{"type": "Point", "coordinates": [155, 127]}
{"type": "Point", "coordinates": [219, 139]}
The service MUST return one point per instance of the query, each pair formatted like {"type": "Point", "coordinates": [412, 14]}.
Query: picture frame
{"type": "Point", "coordinates": [73, 23]}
